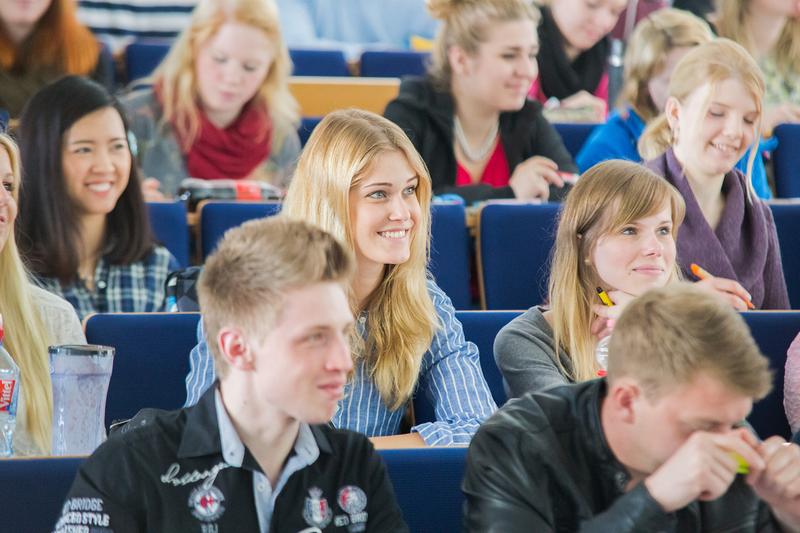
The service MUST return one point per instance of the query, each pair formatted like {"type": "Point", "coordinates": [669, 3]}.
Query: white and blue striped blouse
{"type": "Point", "coordinates": [450, 377]}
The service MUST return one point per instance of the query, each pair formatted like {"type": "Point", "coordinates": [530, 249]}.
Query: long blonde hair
{"type": "Point", "coordinates": [654, 37]}
{"type": "Point", "coordinates": [710, 63]}
{"type": "Point", "coordinates": [607, 197]}
{"type": "Point", "coordinates": [730, 21]}
{"type": "Point", "coordinates": [177, 81]}
{"type": "Point", "coordinates": [26, 337]}
{"type": "Point", "coordinates": [465, 23]}
{"type": "Point", "coordinates": [401, 316]}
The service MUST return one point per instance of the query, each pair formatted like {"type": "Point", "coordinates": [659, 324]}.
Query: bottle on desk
{"type": "Point", "coordinates": [9, 391]}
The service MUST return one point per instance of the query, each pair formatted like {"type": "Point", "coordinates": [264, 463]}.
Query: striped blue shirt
{"type": "Point", "coordinates": [450, 377]}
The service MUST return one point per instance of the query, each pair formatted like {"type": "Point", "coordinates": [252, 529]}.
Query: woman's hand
{"type": "Point", "coordinates": [606, 316]}
{"type": "Point", "coordinates": [532, 178]}
{"type": "Point", "coordinates": [584, 99]}
{"type": "Point", "coordinates": [151, 191]}
{"type": "Point", "coordinates": [727, 289]}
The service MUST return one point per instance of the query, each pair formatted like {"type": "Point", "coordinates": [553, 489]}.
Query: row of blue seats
{"type": "Point", "coordinates": [427, 483]}
{"type": "Point", "coordinates": [152, 359]}
{"type": "Point", "coordinates": [141, 58]}
{"type": "Point", "coordinates": [513, 246]}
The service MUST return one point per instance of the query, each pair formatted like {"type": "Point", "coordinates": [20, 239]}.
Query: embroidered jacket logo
{"type": "Point", "coordinates": [206, 503]}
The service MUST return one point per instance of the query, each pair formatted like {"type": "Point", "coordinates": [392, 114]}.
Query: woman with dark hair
{"type": "Point", "coordinates": [41, 41]}
{"type": "Point", "coordinates": [83, 227]}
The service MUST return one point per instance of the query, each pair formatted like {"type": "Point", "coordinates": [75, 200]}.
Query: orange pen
{"type": "Point", "coordinates": [700, 273]}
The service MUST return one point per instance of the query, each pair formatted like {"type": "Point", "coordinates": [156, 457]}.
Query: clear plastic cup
{"type": "Point", "coordinates": [80, 374]}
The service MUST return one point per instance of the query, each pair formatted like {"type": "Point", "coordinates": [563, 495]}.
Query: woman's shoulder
{"type": "Point", "coordinates": [58, 315]}
{"type": "Point", "coordinates": [142, 101]}
{"type": "Point", "coordinates": [531, 323]}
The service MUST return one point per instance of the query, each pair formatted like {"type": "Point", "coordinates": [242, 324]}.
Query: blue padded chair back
{"type": "Point", "coordinates": [34, 491]}
{"type": "Point", "coordinates": [514, 244]}
{"type": "Point", "coordinates": [218, 217]}
{"type": "Point", "coordinates": [318, 62]}
{"type": "Point", "coordinates": [787, 222]}
{"type": "Point", "coordinates": [168, 220]}
{"type": "Point", "coordinates": [450, 257]}
{"type": "Point", "coordinates": [151, 360]}
{"type": "Point", "coordinates": [393, 63]}
{"type": "Point", "coordinates": [307, 125]}
{"type": "Point", "coordinates": [773, 331]}
{"type": "Point", "coordinates": [141, 58]}
{"type": "Point", "coordinates": [480, 328]}
{"type": "Point", "coordinates": [427, 483]}
{"type": "Point", "coordinates": [574, 135]}
{"type": "Point", "coordinates": [787, 161]}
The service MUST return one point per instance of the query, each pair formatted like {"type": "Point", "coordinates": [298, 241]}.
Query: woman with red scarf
{"type": "Point", "coordinates": [219, 106]}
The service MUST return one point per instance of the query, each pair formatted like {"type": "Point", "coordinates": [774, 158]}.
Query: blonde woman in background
{"type": "Point", "coordinates": [770, 31]}
{"type": "Point", "coordinates": [712, 115]}
{"type": "Point", "coordinates": [220, 105]}
{"type": "Point", "coordinates": [360, 179]}
{"type": "Point", "coordinates": [616, 231]}
{"type": "Point", "coordinates": [655, 47]}
{"type": "Point", "coordinates": [32, 318]}
{"type": "Point", "coordinates": [470, 118]}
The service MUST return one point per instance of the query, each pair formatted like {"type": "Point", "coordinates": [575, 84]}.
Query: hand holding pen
{"type": "Point", "coordinates": [728, 289]}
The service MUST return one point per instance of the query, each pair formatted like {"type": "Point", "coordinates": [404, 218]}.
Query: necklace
{"type": "Point", "coordinates": [479, 153]}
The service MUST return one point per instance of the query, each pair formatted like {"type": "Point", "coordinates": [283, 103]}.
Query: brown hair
{"type": "Point", "coordinates": [608, 196]}
{"type": "Point", "coordinates": [465, 24]}
{"type": "Point", "coordinates": [58, 40]}
{"type": "Point", "coordinates": [667, 336]}
{"type": "Point", "coordinates": [244, 281]}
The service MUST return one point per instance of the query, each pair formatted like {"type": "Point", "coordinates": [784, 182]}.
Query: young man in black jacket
{"type": "Point", "coordinates": [255, 453]}
{"type": "Point", "coordinates": [654, 447]}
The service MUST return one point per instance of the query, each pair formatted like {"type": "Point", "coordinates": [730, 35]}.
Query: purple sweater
{"type": "Point", "coordinates": [743, 246]}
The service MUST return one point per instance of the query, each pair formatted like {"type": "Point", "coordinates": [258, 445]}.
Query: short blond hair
{"type": "Point", "coordinates": [656, 36]}
{"type": "Point", "coordinates": [244, 281]}
{"type": "Point", "coordinates": [667, 336]}
{"type": "Point", "coordinates": [465, 23]}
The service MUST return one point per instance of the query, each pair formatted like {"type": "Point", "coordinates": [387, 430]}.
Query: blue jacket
{"type": "Point", "coordinates": [617, 138]}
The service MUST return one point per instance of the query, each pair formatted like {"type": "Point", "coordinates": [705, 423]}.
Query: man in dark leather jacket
{"type": "Point", "coordinates": [654, 447]}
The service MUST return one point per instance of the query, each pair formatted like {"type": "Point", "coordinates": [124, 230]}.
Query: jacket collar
{"type": "Point", "coordinates": [201, 435]}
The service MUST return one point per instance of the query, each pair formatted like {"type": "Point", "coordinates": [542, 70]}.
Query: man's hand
{"type": "Point", "coordinates": [778, 484]}
{"type": "Point", "coordinates": [703, 468]}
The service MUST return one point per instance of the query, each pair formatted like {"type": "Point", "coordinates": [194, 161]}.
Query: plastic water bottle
{"type": "Point", "coordinates": [9, 390]}
{"type": "Point", "coordinates": [601, 355]}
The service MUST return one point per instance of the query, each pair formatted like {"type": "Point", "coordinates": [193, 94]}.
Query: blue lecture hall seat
{"type": "Point", "coordinates": [787, 222]}
{"type": "Point", "coordinates": [786, 159]}
{"type": "Point", "coordinates": [427, 483]}
{"type": "Point", "coordinates": [318, 62]}
{"type": "Point", "coordinates": [574, 135]}
{"type": "Point", "coordinates": [513, 247]}
{"type": "Point", "coordinates": [393, 63]}
{"type": "Point", "coordinates": [307, 125]}
{"type": "Point", "coordinates": [168, 220]}
{"type": "Point", "coordinates": [151, 360]}
{"type": "Point", "coordinates": [142, 57]}
{"type": "Point", "coordinates": [450, 252]}
{"type": "Point", "coordinates": [218, 217]}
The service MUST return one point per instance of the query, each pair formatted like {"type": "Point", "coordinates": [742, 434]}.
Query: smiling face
{"type": "Point", "coordinates": [384, 212]}
{"type": "Point", "coordinates": [301, 366]}
{"type": "Point", "coordinates": [715, 127]}
{"type": "Point", "coordinates": [584, 22]}
{"type": "Point", "coordinates": [638, 256]}
{"type": "Point", "coordinates": [230, 68]}
{"type": "Point", "coordinates": [96, 161]}
{"type": "Point", "coordinates": [502, 70]}
{"type": "Point", "coordinates": [8, 205]}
